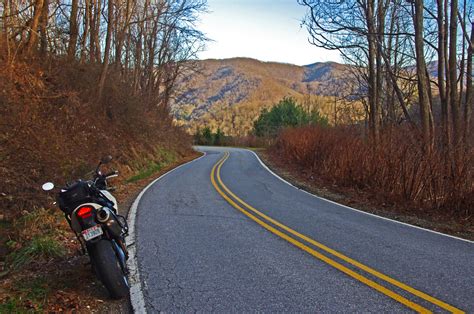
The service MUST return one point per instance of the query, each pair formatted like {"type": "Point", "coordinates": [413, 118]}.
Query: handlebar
{"type": "Point", "coordinates": [112, 174]}
{"type": "Point", "coordinates": [100, 180]}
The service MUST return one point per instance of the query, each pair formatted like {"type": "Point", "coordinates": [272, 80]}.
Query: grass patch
{"type": "Point", "coordinates": [145, 173]}
{"type": "Point", "coordinates": [11, 305]}
{"type": "Point", "coordinates": [39, 222]}
{"type": "Point", "coordinates": [30, 296]}
{"type": "Point", "coordinates": [165, 158]}
{"type": "Point", "coordinates": [39, 247]}
{"type": "Point", "coordinates": [36, 290]}
{"type": "Point", "coordinates": [5, 224]}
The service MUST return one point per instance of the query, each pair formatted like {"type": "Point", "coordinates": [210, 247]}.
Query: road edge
{"type": "Point", "coordinates": [137, 298]}
{"type": "Point", "coordinates": [351, 208]}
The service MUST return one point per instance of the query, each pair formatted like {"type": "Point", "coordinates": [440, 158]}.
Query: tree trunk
{"type": "Point", "coordinates": [462, 64]}
{"type": "Point", "coordinates": [441, 73]}
{"type": "Point", "coordinates": [468, 106]}
{"type": "Point", "coordinates": [92, 30]}
{"type": "Point", "coordinates": [453, 90]}
{"type": "Point", "coordinates": [121, 34]}
{"type": "Point", "coordinates": [423, 80]}
{"type": "Point", "coordinates": [73, 31]}
{"type": "Point", "coordinates": [372, 76]}
{"type": "Point", "coordinates": [85, 34]}
{"type": "Point", "coordinates": [33, 34]}
{"type": "Point", "coordinates": [378, 60]}
{"type": "Point", "coordinates": [98, 14]}
{"type": "Point", "coordinates": [5, 26]}
{"type": "Point", "coordinates": [43, 27]}
{"type": "Point", "coordinates": [128, 50]}
{"type": "Point", "coordinates": [388, 52]}
{"type": "Point", "coordinates": [108, 39]}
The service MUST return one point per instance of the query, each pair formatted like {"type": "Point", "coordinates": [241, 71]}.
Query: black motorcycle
{"type": "Point", "coordinates": [92, 213]}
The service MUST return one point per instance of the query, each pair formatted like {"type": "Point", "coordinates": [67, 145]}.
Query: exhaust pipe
{"type": "Point", "coordinates": [103, 214]}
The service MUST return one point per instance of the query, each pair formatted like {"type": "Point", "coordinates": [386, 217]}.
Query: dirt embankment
{"type": "Point", "coordinates": [53, 128]}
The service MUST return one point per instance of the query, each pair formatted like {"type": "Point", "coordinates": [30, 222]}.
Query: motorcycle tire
{"type": "Point", "coordinates": [109, 271]}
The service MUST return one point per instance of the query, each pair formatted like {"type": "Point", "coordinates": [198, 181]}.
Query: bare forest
{"type": "Point", "coordinates": [80, 78]}
{"type": "Point", "coordinates": [414, 60]}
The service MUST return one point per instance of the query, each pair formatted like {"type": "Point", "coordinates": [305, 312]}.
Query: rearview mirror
{"type": "Point", "coordinates": [48, 186]}
{"type": "Point", "coordinates": [106, 159]}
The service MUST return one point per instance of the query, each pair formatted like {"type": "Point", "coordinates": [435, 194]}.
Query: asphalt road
{"type": "Point", "coordinates": [224, 234]}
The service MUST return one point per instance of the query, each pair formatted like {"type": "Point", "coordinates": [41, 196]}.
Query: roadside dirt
{"type": "Point", "coordinates": [459, 227]}
{"type": "Point", "coordinates": [67, 284]}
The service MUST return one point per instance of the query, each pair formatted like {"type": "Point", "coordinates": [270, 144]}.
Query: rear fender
{"type": "Point", "coordinates": [77, 224]}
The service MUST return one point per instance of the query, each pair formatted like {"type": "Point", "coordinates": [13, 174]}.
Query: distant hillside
{"type": "Point", "coordinates": [230, 93]}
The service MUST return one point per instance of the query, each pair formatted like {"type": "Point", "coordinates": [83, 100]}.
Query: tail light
{"type": "Point", "coordinates": [85, 212]}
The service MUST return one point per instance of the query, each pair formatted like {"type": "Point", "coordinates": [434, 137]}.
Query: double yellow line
{"type": "Point", "coordinates": [294, 238]}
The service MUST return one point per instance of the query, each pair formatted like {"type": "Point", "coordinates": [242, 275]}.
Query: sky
{"type": "Point", "coordinates": [267, 30]}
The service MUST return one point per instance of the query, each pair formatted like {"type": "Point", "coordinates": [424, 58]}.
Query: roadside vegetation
{"type": "Point", "coordinates": [207, 137]}
{"type": "Point", "coordinates": [414, 151]}
{"type": "Point", "coordinates": [287, 113]}
{"type": "Point", "coordinates": [397, 173]}
{"type": "Point", "coordinates": [80, 80]}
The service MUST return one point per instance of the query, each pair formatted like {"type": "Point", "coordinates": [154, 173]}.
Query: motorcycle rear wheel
{"type": "Point", "coordinates": [109, 271]}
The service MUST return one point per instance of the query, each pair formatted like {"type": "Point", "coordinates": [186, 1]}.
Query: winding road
{"type": "Point", "coordinates": [223, 233]}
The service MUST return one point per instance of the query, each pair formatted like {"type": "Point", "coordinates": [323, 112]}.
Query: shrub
{"type": "Point", "coordinates": [287, 113]}
{"type": "Point", "coordinates": [396, 171]}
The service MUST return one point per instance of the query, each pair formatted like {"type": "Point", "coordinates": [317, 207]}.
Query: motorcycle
{"type": "Point", "coordinates": [92, 213]}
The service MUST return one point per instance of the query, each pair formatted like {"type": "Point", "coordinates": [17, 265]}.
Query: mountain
{"type": "Point", "coordinates": [230, 93]}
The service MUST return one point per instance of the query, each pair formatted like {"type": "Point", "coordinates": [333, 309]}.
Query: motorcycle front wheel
{"type": "Point", "coordinates": [108, 269]}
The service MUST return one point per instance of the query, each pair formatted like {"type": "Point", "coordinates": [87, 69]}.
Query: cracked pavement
{"type": "Point", "coordinates": [196, 253]}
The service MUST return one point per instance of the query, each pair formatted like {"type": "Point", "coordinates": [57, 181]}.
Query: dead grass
{"type": "Point", "coordinates": [397, 172]}
{"type": "Point", "coordinates": [52, 128]}
{"type": "Point", "coordinates": [52, 282]}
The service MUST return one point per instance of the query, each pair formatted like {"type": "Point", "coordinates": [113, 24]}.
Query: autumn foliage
{"type": "Point", "coordinates": [396, 172]}
{"type": "Point", "coordinates": [54, 129]}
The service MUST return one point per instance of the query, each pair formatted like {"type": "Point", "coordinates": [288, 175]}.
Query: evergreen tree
{"type": "Point", "coordinates": [207, 138]}
{"type": "Point", "coordinates": [287, 113]}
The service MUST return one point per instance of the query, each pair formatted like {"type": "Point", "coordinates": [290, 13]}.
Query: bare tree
{"type": "Point", "coordinates": [73, 30]}
{"type": "Point", "coordinates": [452, 72]}
{"type": "Point", "coordinates": [108, 40]}
{"type": "Point", "coordinates": [469, 103]}
{"type": "Point", "coordinates": [150, 42]}
{"type": "Point", "coordinates": [427, 124]}
{"type": "Point", "coordinates": [33, 28]}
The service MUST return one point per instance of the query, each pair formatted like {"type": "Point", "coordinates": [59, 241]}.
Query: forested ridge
{"type": "Point", "coordinates": [229, 94]}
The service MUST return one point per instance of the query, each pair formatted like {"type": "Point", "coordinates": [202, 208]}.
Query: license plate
{"type": "Point", "coordinates": [92, 233]}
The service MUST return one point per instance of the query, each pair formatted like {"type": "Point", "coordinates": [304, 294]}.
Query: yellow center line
{"type": "Point", "coordinates": [329, 261]}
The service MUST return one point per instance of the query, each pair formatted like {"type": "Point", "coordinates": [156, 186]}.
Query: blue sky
{"type": "Point", "coordinates": [268, 30]}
